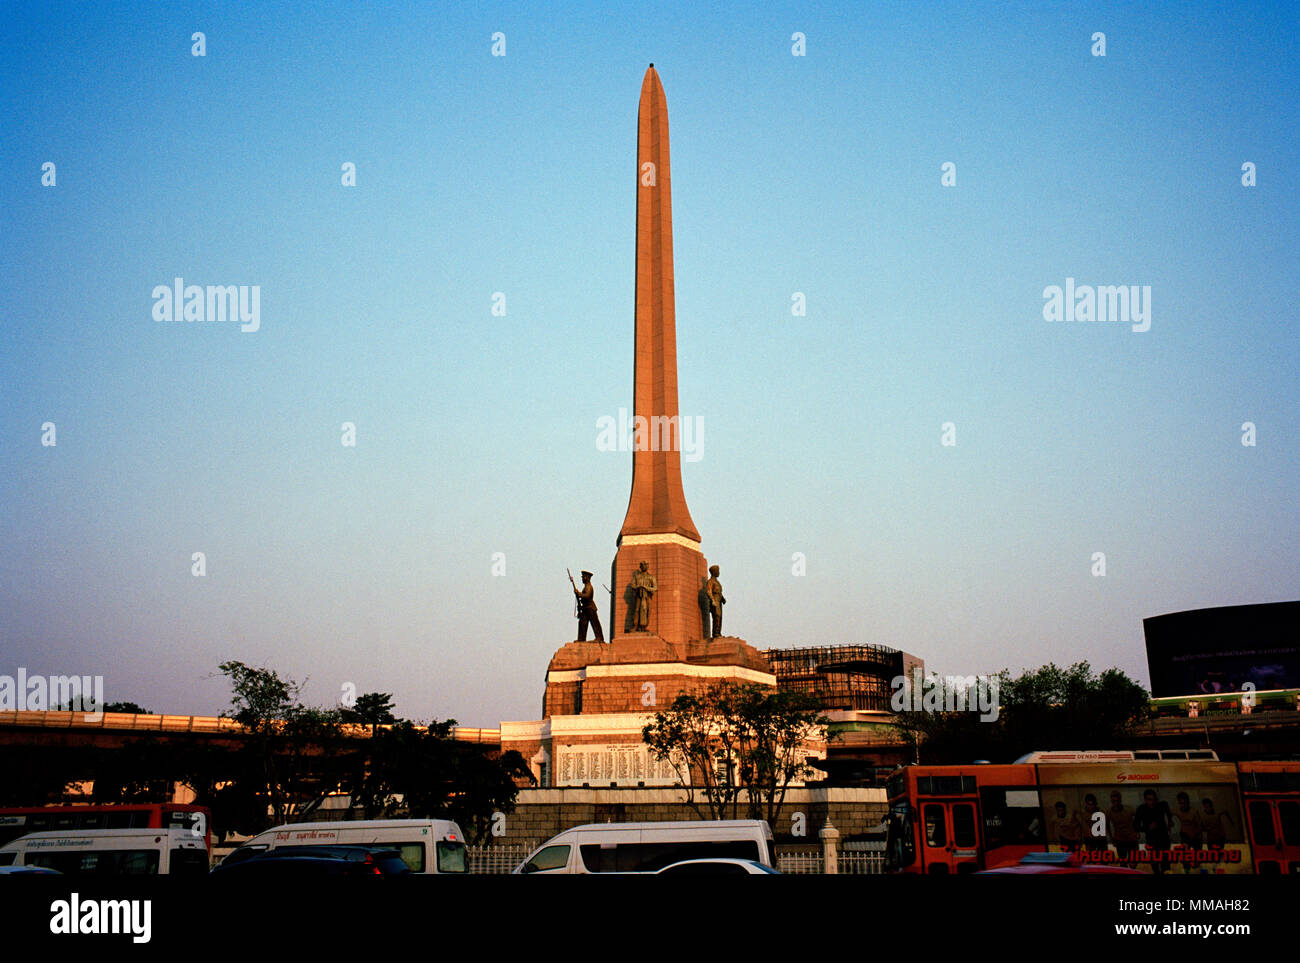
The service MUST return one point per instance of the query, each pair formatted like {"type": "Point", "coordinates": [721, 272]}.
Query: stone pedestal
{"type": "Point", "coordinates": [639, 672]}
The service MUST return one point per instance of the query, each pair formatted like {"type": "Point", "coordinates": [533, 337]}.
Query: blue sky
{"type": "Point", "coordinates": [476, 434]}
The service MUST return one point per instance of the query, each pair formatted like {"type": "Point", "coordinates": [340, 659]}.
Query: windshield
{"type": "Point", "coordinates": [452, 858]}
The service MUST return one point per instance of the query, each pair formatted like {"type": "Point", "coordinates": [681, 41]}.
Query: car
{"type": "Point", "coordinates": [290, 867]}
{"type": "Point", "coordinates": [347, 860]}
{"type": "Point", "coordinates": [388, 859]}
{"type": "Point", "coordinates": [718, 867]}
{"type": "Point", "coordinates": [1057, 864]}
{"type": "Point", "coordinates": [28, 871]}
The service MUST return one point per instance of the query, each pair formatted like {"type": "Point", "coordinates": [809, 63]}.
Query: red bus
{"type": "Point", "coordinates": [1271, 793]}
{"type": "Point", "coordinates": [1159, 811]}
{"type": "Point", "coordinates": [19, 821]}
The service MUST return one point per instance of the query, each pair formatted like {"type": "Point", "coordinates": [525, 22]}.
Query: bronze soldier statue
{"type": "Point", "coordinates": [643, 586]}
{"type": "Point", "coordinates": [586, 601]}
{"type": "Point", "coordinates": [713, 591]}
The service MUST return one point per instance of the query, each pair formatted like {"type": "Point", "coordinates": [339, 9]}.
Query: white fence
{"type": "Point", "coordinates": [862, 864]}
{"type": "Point", "coordinates": [498, 860]}
{"type": "Point", "coordinates": [853, 858]}
{"type": "Point", "coordinates": [800, 864]}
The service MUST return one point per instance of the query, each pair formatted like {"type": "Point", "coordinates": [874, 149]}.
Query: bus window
{"type": "Point", "coordinates": [1261, 823]}
{"type": "Point", "coordinates": [935, 833]}
{"type": "Point", "coordinates": [1011, 816]}
{"type": "Point", "coordinates": [1288, 814]}
{"type": "Point", "coordinates": [963, 825]}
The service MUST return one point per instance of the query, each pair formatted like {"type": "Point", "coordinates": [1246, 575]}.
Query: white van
{"type": "Point", "coordinates": [111, 852]}
{"type": "Point", "coordinates": [648, 847]}
{"type": "Point", "coordinates": [426, 845]}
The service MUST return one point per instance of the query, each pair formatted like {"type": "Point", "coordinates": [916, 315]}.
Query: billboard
{"type": "Point", "coordinates": [1209, 651]}
{"type": "Point", "coordinates": [1157, 817]}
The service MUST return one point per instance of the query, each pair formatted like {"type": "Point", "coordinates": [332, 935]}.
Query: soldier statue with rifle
{"type": "Point", "coordinates": [585, 603]}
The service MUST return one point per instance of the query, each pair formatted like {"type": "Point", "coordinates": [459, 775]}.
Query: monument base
{"type": "Point", "coordinates": [641, 672]}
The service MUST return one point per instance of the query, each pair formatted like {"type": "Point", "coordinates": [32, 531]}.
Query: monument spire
{"type": "Point", "coordinates": [659, 571]}
{"type": "Point", "coordinates": [660, 645]}
{"type": "Point", "coordinates": [657, 505]}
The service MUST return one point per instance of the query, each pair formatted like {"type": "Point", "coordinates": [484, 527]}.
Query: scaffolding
{"type": "Point", "coordinates": [839, 676]}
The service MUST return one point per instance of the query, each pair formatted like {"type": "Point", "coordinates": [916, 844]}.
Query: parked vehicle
{"type": "Point", "coordinates": [426, 845]}
{"type": "Point", "coordinates": [719, 867]}
{"type": "Point", "coordinates": [293, 867]}
{"type": "Point", "coordinates": [1054, 864]}
{"type": "Point", "coordinates": [308, 860]}
{"type": "Point", "coordinates": [111, 852]}
{"type": "Point", "coordinates": [649, 847]}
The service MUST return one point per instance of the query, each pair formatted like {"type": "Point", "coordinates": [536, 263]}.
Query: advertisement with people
{"type": "Point", "coordinates": [1159, 818]}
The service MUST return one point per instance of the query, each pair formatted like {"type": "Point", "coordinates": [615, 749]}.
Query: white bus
{"type": "Point", "coordinates": [111, 852]}
{"type": "Point", "coordinates": [426, 845]}
{"type": "Point", "coordinates": [648, 847]}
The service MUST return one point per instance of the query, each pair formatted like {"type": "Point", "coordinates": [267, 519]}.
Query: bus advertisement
{"type": "Point", "coordinates": [1157, 816]}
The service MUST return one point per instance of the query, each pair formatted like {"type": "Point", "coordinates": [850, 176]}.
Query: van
{"type": "Point", "coordinates": [649, 847]}
{"type": "Point", "coordinates": [111, 852]}
{"type": "Point", "coordinates": [426, 845]}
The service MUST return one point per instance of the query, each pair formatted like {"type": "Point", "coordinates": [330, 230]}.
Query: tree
{"type": "Point", "coordinates": [294, 755]}
{"type": "Point", "coordinates": [373, 709]}
{"type": "Point", "coordinates": [430, 774]}
{"type": "Point", "coordinates": [1045, 708]}
{"type": "Point", "coordinates": [737, 740]}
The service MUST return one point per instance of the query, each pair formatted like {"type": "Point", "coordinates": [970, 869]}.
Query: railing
{"type": "Point", "coordinates": [498, 860]}
{"type": "Point", "coordinates": [862, 864]}
{"type": "Point", "coordinates": [150, 722]}
{"type": "Point", "coordinates": [800, 864]}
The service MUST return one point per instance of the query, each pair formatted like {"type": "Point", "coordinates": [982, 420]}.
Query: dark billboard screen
{"type": "Point", "coordinates": [1206, 651]}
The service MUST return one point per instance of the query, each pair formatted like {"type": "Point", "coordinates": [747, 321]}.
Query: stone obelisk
{"type": "Point", "coordinates": [596, 693]}
{"type": "Point", "coordinates": [658, 528]}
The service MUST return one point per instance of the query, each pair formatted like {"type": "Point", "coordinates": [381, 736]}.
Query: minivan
{"type": "Point", "coordinates": [426, 845]}
{"type": "Point", "coordinates": [649, 847]}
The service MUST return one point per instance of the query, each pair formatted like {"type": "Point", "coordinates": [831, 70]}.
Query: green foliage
{"type": "Point", "coordinates": [126, 707]}
{"type": "Point", "coordinates": [429, 774]}
{"type": "Point", "coordinates": [736, 741]}
{"type": "Point", "coordinates": [294, 755]}
{"type": "Point", "coordinates": [1045, 708]}
{"type": "Point", "coordinates": [373, 709]}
